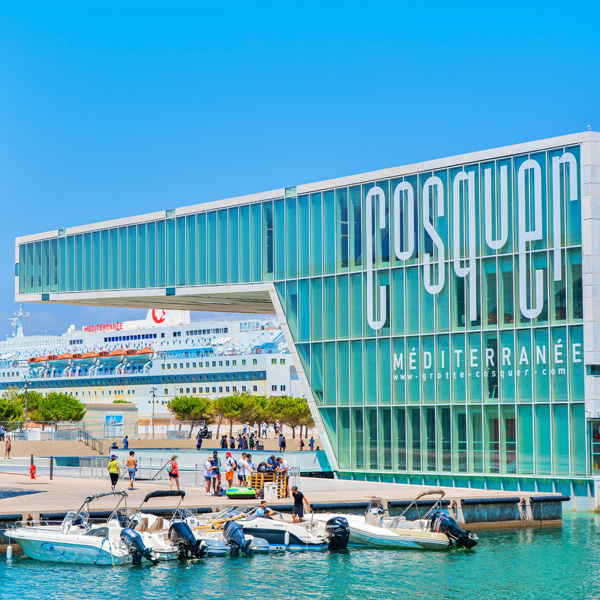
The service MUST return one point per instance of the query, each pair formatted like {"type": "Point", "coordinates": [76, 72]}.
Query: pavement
{"type": "Point", "coordinates": [66, 493]}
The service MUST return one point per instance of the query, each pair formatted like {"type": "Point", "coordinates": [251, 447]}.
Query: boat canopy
{"type": "Point", "coordinates": [93, 497]}
{"type": "Point", "coordinates": [165, 494]}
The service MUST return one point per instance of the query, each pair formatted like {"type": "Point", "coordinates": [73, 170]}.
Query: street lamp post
{"type": "Point", "coordinates": [25, 388]}
{"type": "Point", "coordinates": [153, 393]}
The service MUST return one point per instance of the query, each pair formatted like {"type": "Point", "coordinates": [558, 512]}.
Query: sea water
{"type": "Point", "coordinates": [550, 562]}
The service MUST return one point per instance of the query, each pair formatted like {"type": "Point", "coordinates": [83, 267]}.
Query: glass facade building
{"type": "Point", "coordinates": [437, 311]}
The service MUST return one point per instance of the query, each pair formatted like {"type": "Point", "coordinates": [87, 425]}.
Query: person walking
{"type": "Point", "coordinates": [311, 443]}
{"type": "Point", "coordinates": [216, 473]}
{"type": "Point", "coordinates": [131, 465]}
{"type": "Point", "coordinates": [126, 443]}
{"type": "Point", "coordinates": [208, 469]}
{"type": "Point", "coordinates": [198, 442]}
{"type": "Point", "coordinates": [2, 433]}
{"type": "Point", "coordinates": [173, 472]}
{"type": "Point", "coordinates": [114, 470]}
{"type": "Point", "coordinates": [7, 447]}
{"type": "Point", "coordinates": [283, 443]}
{"type": "Point", "coordinates": [242, 470]}
{"type": "Point", "coordinates": [298, 509]}
{"type": "Point", "coordinates": [250, 467]}
{"type": "Point", "coordinates": [251, 442]}
{"type": "Point", "coordinates": [230, 469]}
{"type": "Point", "coordinates": [301, 443]}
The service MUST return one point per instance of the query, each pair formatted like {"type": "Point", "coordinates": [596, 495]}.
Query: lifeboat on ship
{"type": "Point", "coordinates": [59, 362]}
{"type": "Point", "coordinates": [111, 358]}
{"type": "Point", "coordinates": [85, 360]}
{"type": "Point", "coordinates": [38, 361]}
{"type": "Point", "coordinates": [139, 356]}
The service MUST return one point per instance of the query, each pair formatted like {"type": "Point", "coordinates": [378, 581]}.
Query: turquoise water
{"type": "Point", "coordinates": [537, 563]}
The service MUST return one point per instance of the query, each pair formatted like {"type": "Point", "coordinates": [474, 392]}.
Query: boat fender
{"type": "Point", "coordinates": [286, 539]}
{"type": "Point", "coordinates": [8, 552]}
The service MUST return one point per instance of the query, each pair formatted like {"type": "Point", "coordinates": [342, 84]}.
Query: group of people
{"type": "Point", "coordinates": [237, 473]}
{"type": "Point", "coordinates": [114, 470]}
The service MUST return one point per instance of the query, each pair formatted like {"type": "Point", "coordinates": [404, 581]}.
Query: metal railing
{"type": "Point", "coordinates": [90, 441]}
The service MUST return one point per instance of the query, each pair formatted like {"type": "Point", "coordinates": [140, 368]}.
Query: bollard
{"type": "Point", "coordinates": [80, 467]}
{"type": "Point", "coordinates": [32, 460]}
{"type": "Point", "coordinates": [196, 475]}
{"type": "Point", "coordinates": [51, 467]}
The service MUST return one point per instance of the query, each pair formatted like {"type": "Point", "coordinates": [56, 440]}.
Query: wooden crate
{"type": "Point", "coordinates": [258, 480]}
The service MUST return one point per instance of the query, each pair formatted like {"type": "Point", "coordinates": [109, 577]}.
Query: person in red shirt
{"type": "Point", "coordinates": [174, 472]}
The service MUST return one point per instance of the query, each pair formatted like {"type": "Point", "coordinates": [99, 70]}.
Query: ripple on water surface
{"type": "Point", "coordinates": [554, 562]}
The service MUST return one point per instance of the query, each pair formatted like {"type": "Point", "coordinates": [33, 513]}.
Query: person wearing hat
{"type": "Point", "coordinates": [230, 469]}
{"type": "Point", "coordinates": [131, 464]}
{"type": "Point", "coordinates": [173, 472]}
{"type": "Point", "coordinates": [114, 470]}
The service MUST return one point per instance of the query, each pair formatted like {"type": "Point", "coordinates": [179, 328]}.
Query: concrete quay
{"type": "Point", "coordinates": [22, 498]}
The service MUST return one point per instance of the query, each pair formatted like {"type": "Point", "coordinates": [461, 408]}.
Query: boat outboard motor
{"type": "Point", "coordinates": [180, 533]}
{"type": "Point", "coordinates": [338, 532]}
{"type": "Point", "coordinates": [445, 524]}
{"type": "Point", "coordinates": [134, 542]}
{"type": "Point", "coordinates": [234, 537]}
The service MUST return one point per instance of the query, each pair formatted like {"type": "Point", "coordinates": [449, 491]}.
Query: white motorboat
{"type": "Point", "coordinates": [79, 540]}
{"type": "Point", "coordinates": [434, 530]}
{"type": "Point", "coordinates": [242, 530]}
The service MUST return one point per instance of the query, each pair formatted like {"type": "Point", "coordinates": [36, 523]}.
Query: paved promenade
{"type": "Point", "coordinates": [65, 493]}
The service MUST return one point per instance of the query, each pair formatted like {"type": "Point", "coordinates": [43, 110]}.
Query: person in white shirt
{"type": "Point", "coordinates": [230, 468]}
{"type": "Point", "coordinates": [250, 465]}
{"type": "Point", "coordinates": [208, 469]}
{"type": "Point", "coordinates": [242, 470]}
{"type": "Point", "coordinates": [284, 466]}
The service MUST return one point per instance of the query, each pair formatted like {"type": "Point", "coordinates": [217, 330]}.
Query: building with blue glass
{"type": "Point", "coordinates": [445, 316]}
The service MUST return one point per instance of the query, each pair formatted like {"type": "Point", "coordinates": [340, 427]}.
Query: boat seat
{"type": "Point", "coordinates": [158, 525]}
{"type": "Point", "coordinates": [142, 525]}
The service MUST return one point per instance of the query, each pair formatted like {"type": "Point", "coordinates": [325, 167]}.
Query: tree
{"type": "Point", "coordinates": [290, 410]}
{"type": "Point", "coordinates": [56, 407]}
{"type": "Point", "coordinates": [238, 407]}
{"type": "Point", "coordinates": [191, 408]}
{"type": "Point", "coordinates": [10, 410]}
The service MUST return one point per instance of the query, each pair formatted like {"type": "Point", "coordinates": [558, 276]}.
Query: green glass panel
{"type": "Point", "coordinates": [211, 248]}
{"type": "Point", "coordinates": [543, 433]}
{"type": "Point", "coordinates": [202, 249]}
{"type": "Point", "coordinates": [371, 437]}
{"type": "Point", "coordinates": [442, 364]}
{"type": "Point", "coordinates": [459, 387]}
{"type": "Point", "coordinates": [578, 441]}
{"type": "Point", "coordinates": [343, 372]}
{"type": "Point", "coordinates": [370, 362]}
{"type": "Point", "coordinates": [576, 368]}
{"type": "Point", "coordinates": [508, 439]}
{"type": "Point", "coordinates": [54, 266]}
{"type": "Point", "coordinates": [329, 232]}
{"type": "Point", "coordinates": [341, 229]}
{"type": "Point", "coordinates": [523, 366]}
{"type": "Point", "coordinates": [413, 368]}
{"type": "Point", "coordinates": [397, 302]}
{"type": "Point", "coordinates": [506, 368]}
{"type": "Point", "coordinates": [280, 289]}
{"type": "Point", "coordinates": [131, 257]}
{"type": "Point", "coordinates": [399, 371]}
{"type": "Point", "coordinates": [343, 308]}
{"type": "Point", "coordinates": [244, 251]}
{"type": "Point", "coordinates": [573, 207]}
{"type": "Point", "coordinates": [356, 305]}
{"type": "Point", "coordinates": [560, 439]}
{"type": "Point", "coordinates": [161, 254]}
{"type": "Point", "coordinates": [152, 252]}
{"type": "Point", "coordinates": [171, 253]}
{"type": "Point", "coordinates": [291, 308]}
{"type": "Point", "coordinates": [45, 263]}
{"type": "Point", "coordinates": [385, 439]}
{"type": "Point", "coordinates": [412, 300]}
{"type": "Point", "coordinates": [329, 312]}
{"type": "Point", "coordinates": [356, 373]}
{"type": "Point", "coordinates": [355, 237]}
{"type": "Point", "coordinates": [343, 429]}
{"type": "Point", "coordinates": [316, 300]}
{"type": "Point", "coordinates": [267, 241]}
{"type": "Point", "coordinates": [303, 236]}
{"type": "Point", "coordinates": [316, 369]}
{"type": "Point", "coordinates": [384, 371]}
{"type": "Point", "coordinates": [279, 240]}
{"type": "Point", "coordinates": [96, 282]}
{"type": "Point", "coordinates": [70, 265]}
{"type": "Point", "coordinates": [399, 438]}
{"type": "Point", "coordinates": [491, 423]}
{"type": "Point", "coordinates": [427, 374]}
{"type": "Point", "coordinates": [329, 374]}
{"type": "Point", "coordinates": [444, 439]}
{"type": "Point", "coordinates": [491, 361]}
{"type": "Point", "coordinates": [142, 255]}
{"type": "Point", "coordinates": [191, 250]}
{"type": "Point", "coordinates": [316, 235]}
{"type": "Point", "coordinates": [304, 310]}
{"type": "Point", "coordinates": [256, 241]}
{"type": "Point", "coordinates": [559, 362]}
{"type": "Point", "coordinates": [234, 245]}
{"type": "Point", "coordinates": [525, 439]}
{"type": "Point", "coordinates": [222, 258]}
{"type": "Point", "coordinates": [78, 265]}
{"type": "Point", "coordinates": [328, 416]}
{"type": "Point", "coordinates": [358, 444]}
{"type": "Point", "coordinates": [475, 439]}
{"type": "Point", "coordinates": [413, 439]}
{"type": "Point", "coordinates": [22, 269]}
{"type": "Point", "coordinates": [291, 238]}
{"type": "Point", "coordinates": [460, 445]}
{"type": "Point", "coordinates": [114, 259]}
{"type": "Point", "coordinates": [428, 418]}
{"type": "Point", "coordinates": [575, 299]}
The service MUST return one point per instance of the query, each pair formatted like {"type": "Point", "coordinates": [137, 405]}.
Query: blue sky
{"type": "Point", "coordinates": [110, 109]}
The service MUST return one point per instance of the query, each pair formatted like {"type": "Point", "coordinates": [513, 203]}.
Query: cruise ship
{"type": "Point", "coordinates": [148, 362]}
